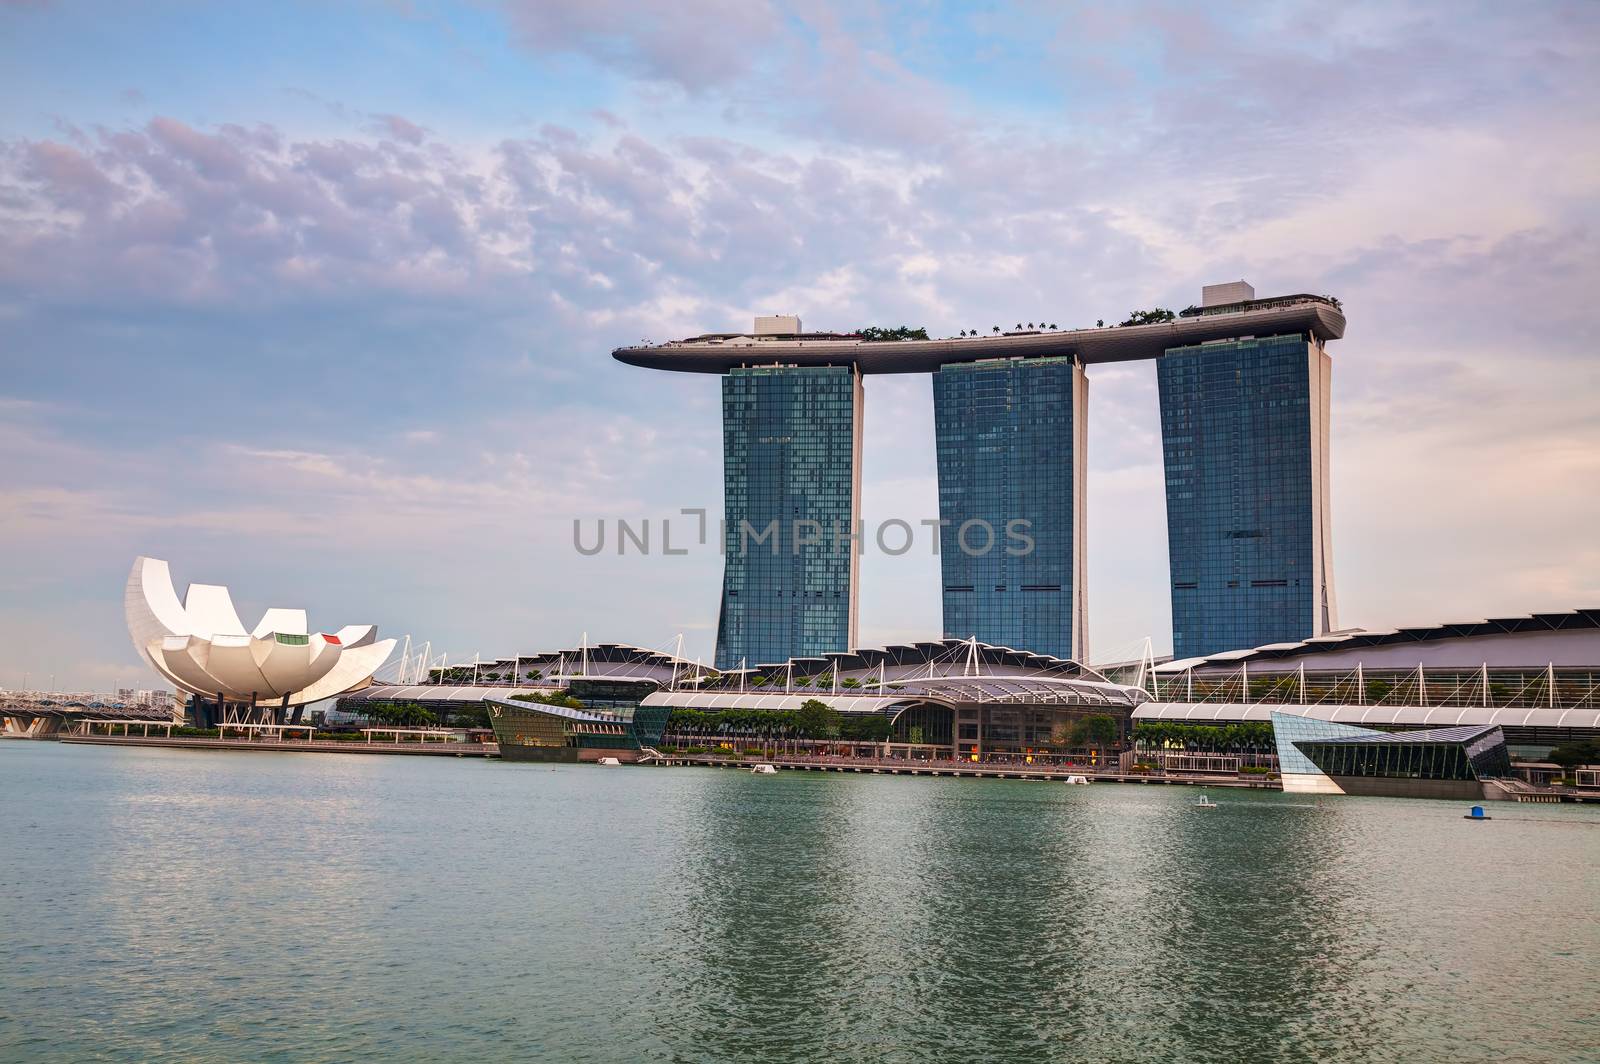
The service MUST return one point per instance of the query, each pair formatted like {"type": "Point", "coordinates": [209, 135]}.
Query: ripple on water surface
{"type": "Point", "coordinates": [217, 906]}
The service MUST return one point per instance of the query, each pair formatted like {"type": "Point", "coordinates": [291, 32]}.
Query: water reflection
{"type": "Point", "coordinates": [224, 906]}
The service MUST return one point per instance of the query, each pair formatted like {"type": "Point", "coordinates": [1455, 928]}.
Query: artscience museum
{"type": "Point", "coordinates": [267, 674]}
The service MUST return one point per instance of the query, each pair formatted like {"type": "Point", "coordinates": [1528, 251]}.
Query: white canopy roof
{"type": "Point", "coordinates": [1372, 716]}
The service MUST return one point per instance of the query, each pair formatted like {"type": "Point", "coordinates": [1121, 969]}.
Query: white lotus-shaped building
{"type": "Point", "coordinates": [200, 645]}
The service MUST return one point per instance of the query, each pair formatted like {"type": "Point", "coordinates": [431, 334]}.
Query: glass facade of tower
{"type": "Point", "coordinates": [1009, 447]}
{"type": "Point", "coordinates": [791, 467]}
{"type": "Point", "coordinates": [1237, 439]}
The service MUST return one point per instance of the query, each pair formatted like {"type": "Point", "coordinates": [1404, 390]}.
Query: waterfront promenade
{"type": "Point", "coordinates": [290, 746]}
{"type": "Point", "coordinates": [889, 766]}
{"type": "Point", "coordinates": [792, 762]}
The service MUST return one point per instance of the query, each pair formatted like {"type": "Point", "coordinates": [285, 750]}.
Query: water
{"type": "Point", "coordinates": [194, 906]}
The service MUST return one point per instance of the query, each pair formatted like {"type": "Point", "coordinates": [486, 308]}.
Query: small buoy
{"type": "Point", "coordinates": [1477, 814]}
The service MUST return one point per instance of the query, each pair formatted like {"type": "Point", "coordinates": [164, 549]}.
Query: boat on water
{"type": "Point", "coordinates": [763, 769]}
{"type": "Point", "coordinates": [608, 761]}
{"type": "Point", "coordinates": [1205, 803]}
{"type": "Point", "coordinates": [1084, 780]}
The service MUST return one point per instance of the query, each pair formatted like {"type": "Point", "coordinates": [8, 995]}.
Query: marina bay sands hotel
{"type": "Point", "coordinates": [1243, 386]}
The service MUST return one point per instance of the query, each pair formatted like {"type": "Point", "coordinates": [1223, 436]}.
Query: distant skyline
{"type": "Point", "coordinates": [317, 300]}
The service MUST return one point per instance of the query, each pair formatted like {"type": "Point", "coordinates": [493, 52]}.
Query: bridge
{"type": "Point", "coordinates": [30, 716]}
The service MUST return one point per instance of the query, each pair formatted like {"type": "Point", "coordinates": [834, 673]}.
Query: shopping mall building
{"type": "Point", "coordinates": [1450, 710]}
{"type": "Point", "coordinates": [940, 699]}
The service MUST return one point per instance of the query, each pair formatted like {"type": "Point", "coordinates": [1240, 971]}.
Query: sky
{"type": "Point", "coordinates": [317, 300]}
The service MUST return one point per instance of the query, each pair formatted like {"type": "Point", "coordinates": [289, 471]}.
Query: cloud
{"type": "Point", "coordinates": [401, 129]}
{"type": "Point", "coordinates": [377, 345]}
{"type": "Point", "coordinates": [693, 44]}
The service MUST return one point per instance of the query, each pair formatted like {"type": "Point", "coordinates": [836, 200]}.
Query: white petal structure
{"type": "Point", "coordinates": [201, 646]}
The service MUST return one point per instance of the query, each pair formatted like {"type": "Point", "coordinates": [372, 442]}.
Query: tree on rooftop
{"type": "Point", "coordinates": [562, 697]}
{"type": "Point", "coordinates": [1154, 316]}
{"type": "Point", "coordinates": [877, 334]}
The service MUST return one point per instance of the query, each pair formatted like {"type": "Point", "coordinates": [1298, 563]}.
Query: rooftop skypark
{"type": "Point", "coordinates": [1318, 316]}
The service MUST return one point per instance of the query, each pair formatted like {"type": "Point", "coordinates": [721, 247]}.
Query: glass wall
{"type": "Point", "coordinates": [1403, 760]}
{"type": "Point", "coordinates": [1236, 427]}
{"type": "Point", "coordinates": [1006, 440]}
{"type": "Point", "coordinates": [1289, 730]}
{"type": "Point", "coordinates": [791, 467]}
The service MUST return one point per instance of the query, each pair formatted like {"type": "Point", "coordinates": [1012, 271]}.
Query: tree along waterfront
{"type": "Point", "coordinates": [814, 719]}
{"type": "Point", "coordinates": [1253, 737]}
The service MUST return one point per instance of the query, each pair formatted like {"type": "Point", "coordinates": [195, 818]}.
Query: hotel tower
{"type": "Point", "coordinates": [1244, 386]}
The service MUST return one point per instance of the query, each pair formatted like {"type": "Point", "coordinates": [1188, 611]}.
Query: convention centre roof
{"type": "Point", "coordinates": [944, 690]}
{"type": "Point", "coordinates": [594, 661]}
{"type": "Point", "coordinates": [930, 657]}
{"type": "Point", "coordinates": [864, 680]}
{"type": "Point", "coordinates": [1376, 716]}
{"type": "Point", "coordinates": [1559, 621]}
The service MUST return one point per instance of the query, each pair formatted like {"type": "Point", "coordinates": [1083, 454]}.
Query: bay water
{"type": "Point", "coordinates": [218, 906]}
